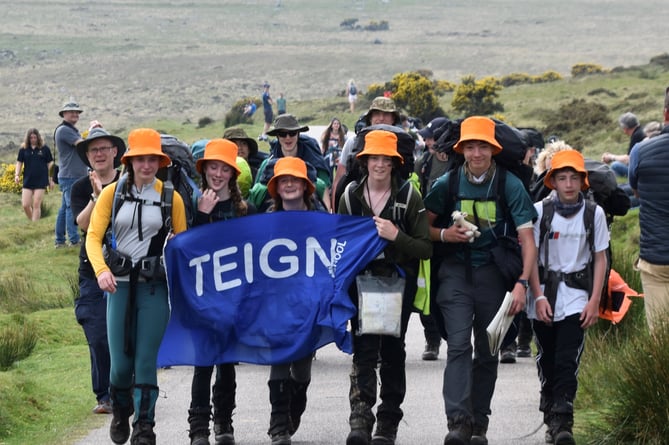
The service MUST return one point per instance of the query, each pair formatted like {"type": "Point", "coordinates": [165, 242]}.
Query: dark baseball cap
{"type": "Point", "coordinates": [428, 130]}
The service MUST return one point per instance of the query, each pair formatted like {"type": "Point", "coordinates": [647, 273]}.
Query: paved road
{"type": "Point", "coordinates": [515, 413]}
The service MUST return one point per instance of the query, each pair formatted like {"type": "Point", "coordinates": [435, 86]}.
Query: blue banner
{"type": "Point", "coordinates": [265, 289]}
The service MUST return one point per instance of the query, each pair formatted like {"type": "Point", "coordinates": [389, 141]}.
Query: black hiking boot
{"type": "Point", "coordinates": [122, 409]}
{"type": "Point", "coordinates": [459, 431]}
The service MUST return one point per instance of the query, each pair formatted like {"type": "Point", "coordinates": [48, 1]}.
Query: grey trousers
{"type": "Point", "coordinates": [469, 382]}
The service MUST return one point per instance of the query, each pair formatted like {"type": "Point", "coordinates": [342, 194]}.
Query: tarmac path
{"type": "Point", "coordinates": [515, 415]}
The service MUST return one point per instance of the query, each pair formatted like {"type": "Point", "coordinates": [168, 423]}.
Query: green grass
{"type": "Point", "coordinates": [46, 396]}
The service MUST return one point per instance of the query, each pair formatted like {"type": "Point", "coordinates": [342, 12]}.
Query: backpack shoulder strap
{"type": "Point", "coordinates": [589, 224]}
{"type": "Point", "coordinates": [352, 205]}
{"type": "Point", "coordinates": [548, 210]}
{"type": "Point", "coordinates": [401, 203]}
{"type": "Point", "coordinates": [166, 199]}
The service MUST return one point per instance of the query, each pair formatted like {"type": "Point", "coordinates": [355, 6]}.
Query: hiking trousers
{"type": "Point", "coordinates": [149, 321]}
{"type": "Point", "coordinates": [465, 307]}
{"type": "Point", "coordinates": [560, 346]}
{"type": "Point", "coordinates": [654, 278]}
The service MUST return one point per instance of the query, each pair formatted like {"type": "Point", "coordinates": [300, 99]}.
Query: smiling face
{"type": "Point", "coordinates": [291, 188]}
{"type": "Point", "coordinates": [288, 140]}
{"type": "Point", "coordinates": [379, 168]}
{"type": "Point", "coordinates": [381, 117]}
{"type": "Point", "coordinates": [100, 154]}
{"type": "Point", "coordinates": [478, 155]}
{"type": "Point", "coordinates": [218, 174]}
{"type": "Point", "coordinates": [335, 125]}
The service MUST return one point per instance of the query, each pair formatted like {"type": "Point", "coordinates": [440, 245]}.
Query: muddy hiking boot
{"type": "Point", "coordinates": [224, 433]}
{"type": "Point", "coordinates": [198, 421]}
{"type": "Point", "coordinates": [122, 409]}
{"type": "Point", "coordinates": [361, 422]}
{"type": "Point", "coordinates": [142, 434]}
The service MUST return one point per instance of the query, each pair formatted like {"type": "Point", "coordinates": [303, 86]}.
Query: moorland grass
{"type": "Point", "coordinates": [46, 397]}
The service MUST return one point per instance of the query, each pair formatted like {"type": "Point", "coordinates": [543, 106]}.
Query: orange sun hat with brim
{"type": "Point", "coordinates": [478, 128]}
{"type": "Point", "coordinates": [223, 150]}
{"type": "Point", "coordinates": [145, 142]}
{"type": "Point", "coordinates": [567, 159]}
{"type": "Point", "coordinates": [289, 166]}
{"type": "Point", "coordinates": [381, 143]}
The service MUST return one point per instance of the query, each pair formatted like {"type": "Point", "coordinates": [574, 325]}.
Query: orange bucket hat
{"type": "Point", "coordinates": [381, 143]}
{"type": "Point", "coordinates": [223, 150]}
{"type": "Point", "coordinates": [289, 166]}
{"type": "Point", "coordinates": [478, 128]}
{"type": "Point", "coordinates": [567, 159]}
{"type": "Point", "coordinates": [145, 142]}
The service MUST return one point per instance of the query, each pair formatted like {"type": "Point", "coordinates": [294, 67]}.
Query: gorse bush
{"type": "Point", "coordinates": [7, 183]}
{"type": "Point", "coordinates": [584, 69]}
{"type": "Point", "coordinates": [236, 114]}
{"type": "Point", "coordinates": [477, 97]}
{"type": "Point", "coordinates": [17, 341]}
{"type": "Point", "coordinates": [414, 93]}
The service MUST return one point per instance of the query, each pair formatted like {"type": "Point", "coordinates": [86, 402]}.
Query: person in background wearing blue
{"type": "Point", "coordinates": [291, 190]}
{"type": "Point", "coordinates": [221, 200]}
{"type": "Point", "coordinates": [408, 242]}
{"type": "Point", "coordinates": [137, 306]}
{"type": "Point", "coordinates": [268, 114]}
{"type": "Point", "coordinates": [70, 168]}
{"type": "Point", "coordinates": [102, 153]}
{"type": "Point", "coordinates": [38, 160]}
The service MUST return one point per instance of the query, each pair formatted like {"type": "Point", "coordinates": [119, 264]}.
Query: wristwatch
{"type": "Point", "coordinates": [525, 283]}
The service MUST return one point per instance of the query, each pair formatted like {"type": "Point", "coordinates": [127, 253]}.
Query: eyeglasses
{"type": "Point", "coordinates": [100, 150]}
{"type": "Point", "coordinates": [283, 134]}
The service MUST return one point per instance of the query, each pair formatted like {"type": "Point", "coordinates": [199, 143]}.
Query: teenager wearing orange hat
{"type": "Point", "coordinates": [561, 311]}
{"type": "Point", "coordinates": [291, 190]}
{"type": "Point", "coordinates": [137, 307]}
{"type": "Point", "coordinates": [471, 286]}
{"type": "Point", "coordinates": [221, 200]}
{"type": "Point", "coordinates": [408, 242]}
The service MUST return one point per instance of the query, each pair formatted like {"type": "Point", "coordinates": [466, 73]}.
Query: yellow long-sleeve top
{"type": "Point", "coordinates": [131, 217]}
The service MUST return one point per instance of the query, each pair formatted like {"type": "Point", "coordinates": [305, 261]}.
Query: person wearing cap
{"type": "Point", "coordinates": [381, 111]}
{"type": "Point", "coordinates": [101, 152]}
{"type": "Point", "coordinates": [36, 157]}
{"type": "Point", "coordinates": [268, 113]}
{"type": "Point", "coordinates": [290, 142]}
{"type": "Point", "coordinates": [221, 200]}
{"type": "Point", "coordinates": [471, 287]}
{"type": "Point", "coordinates": [137, 305]}
{"type": "Point", "coordinates": [408, 242]}
{"type": "Point", "coordinates": [247, 147]}
{"type": "Point", "coordinates": [291, 190]}
{"type": "Point", "coordinates": [431, 165]}
{"type": "Point", "coordinates": [70, 168]}
{"type": "Point", "coordinates": [560, 311]}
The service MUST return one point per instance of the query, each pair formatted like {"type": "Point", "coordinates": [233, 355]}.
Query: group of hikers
{"type": "Point", "coordinates": [555, 276]}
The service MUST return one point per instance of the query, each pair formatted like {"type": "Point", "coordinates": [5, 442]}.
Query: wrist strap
{"type": "Point", "coordinates": [539, 298]}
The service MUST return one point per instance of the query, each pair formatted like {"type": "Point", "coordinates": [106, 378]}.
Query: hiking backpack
{"type": "Point", "coordinates": [352, 90]}
{"type": "Point", "coordinates": [354, 170]}
{"type": "Point", "coordinates": [511, 157]}
{"type": "Point", "coordinates": [606, 301]}
{"type": "Point", "coordinates": [399, 205]}
{"type": "Point", "coordinates": [181, 173]}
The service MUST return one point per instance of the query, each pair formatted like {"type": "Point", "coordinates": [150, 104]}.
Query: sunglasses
{"type": "Point", "coordinates": [283, 134]}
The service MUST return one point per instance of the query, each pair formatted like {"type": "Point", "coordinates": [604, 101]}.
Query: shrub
{"type": "Point", "coordinates": [203, 122]}
{"type": "Point", "coordinates": [7, 183]}
{"type": "Point", "coordinates": [442, 87]}
{"type": "Point", "coordinates": [376, 90]}
{"type": "Point", "coordinates": [17, 341]}
{"type": "Point", "coordinates": [662, 60]}
{"type": "Point", "coordinates": [574, 121]}
{"type": "Point", "coordinates": [584, 69]}
{"type": "Point", "coordinates": [415, 93]}
{"type": "Point", "coordinates": [477, 97]}
{"type": "Point", "coordinates": [515, 79]}
{"type": "Point", "coordinates": [547, 76]}
{"type": "Point", "coordinates": [236, 114]}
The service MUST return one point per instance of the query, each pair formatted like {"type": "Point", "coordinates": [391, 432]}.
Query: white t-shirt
{"type": "Point", "coordinates": [569, 251]}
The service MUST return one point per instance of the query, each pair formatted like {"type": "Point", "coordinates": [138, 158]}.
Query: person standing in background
{"type": "Point", "coordinates": [281, 104]}
{"type": "Point", "coordinates": [38, 160]}
{"type": "Point", "coordinates": [267, 111]}
{"type": "Point", "coordinates": [70, 168]}
{"type": "Point", "coordinates": [352, 93]}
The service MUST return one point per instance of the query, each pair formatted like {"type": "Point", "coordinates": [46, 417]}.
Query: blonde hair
{"type": "Point", "coordinates": [544, 158]}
